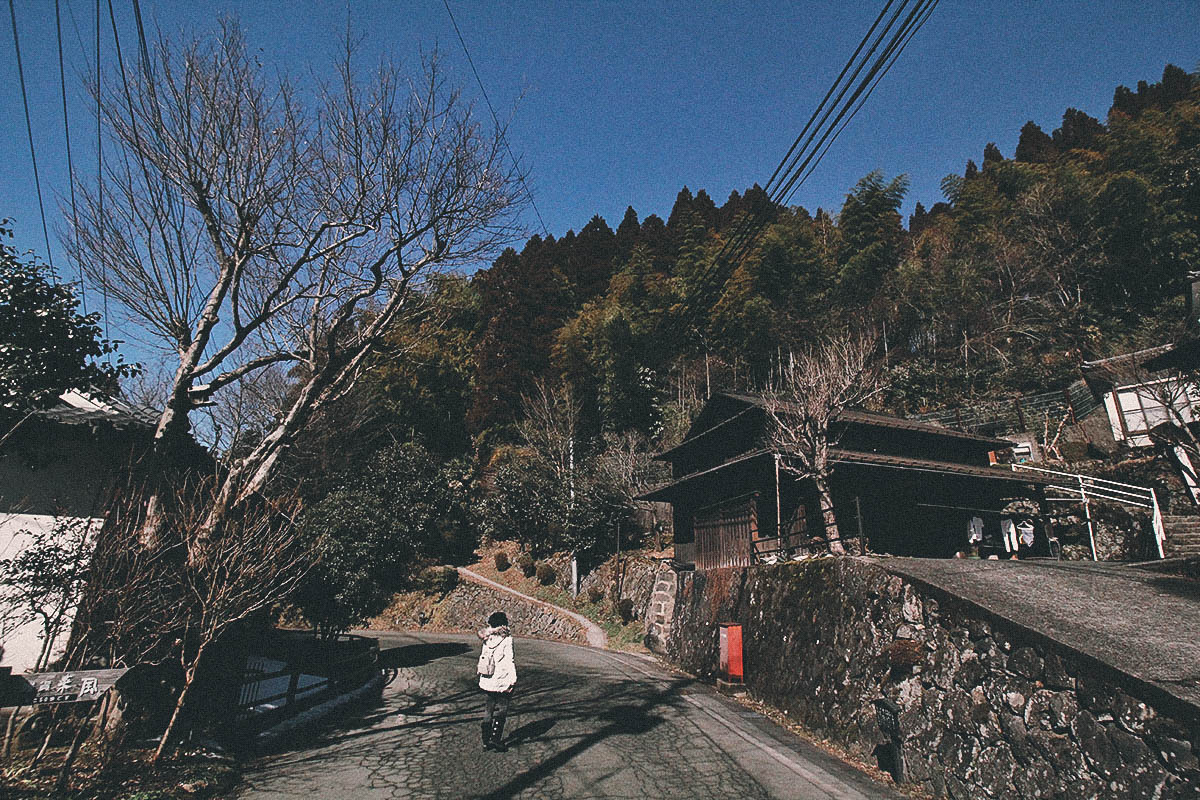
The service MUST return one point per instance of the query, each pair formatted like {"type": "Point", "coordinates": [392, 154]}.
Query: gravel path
{"type": "Point", "coordinates": [596, 636]}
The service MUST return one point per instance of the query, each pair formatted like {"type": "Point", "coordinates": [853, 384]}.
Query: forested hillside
{"type": "Point", "coordinates": [606, 341]}
{"type": "Point", "coordinates": [1075, 246]}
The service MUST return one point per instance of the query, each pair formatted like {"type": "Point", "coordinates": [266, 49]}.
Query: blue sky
{"type": "Point", "coordinates": [616, 104]}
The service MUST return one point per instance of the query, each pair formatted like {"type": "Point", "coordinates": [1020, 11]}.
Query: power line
{"type": "Point", "coordinates": [495, 118]}
{"type": "Point", "coordinates": [101, 222]}
{"type": "Point", "coordinates": [37, 182]}
{"type": "Point", "coordinates": [62, 82]}
{"type": "Point", "coordinates": [802, 160]}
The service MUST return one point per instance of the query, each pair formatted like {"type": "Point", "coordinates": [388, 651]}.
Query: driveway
{"type": "Point", "coordinates": [1142, 623]}
{"type": "Point", "coordinates": [584, 724]}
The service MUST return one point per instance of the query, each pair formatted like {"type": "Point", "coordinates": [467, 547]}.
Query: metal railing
{"type": "Point", "coordinates": [334, 675]}
{"type": "Point", "coordinates": [1084, 488]}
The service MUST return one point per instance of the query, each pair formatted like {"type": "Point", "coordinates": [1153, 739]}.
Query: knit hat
{"type": "Point", "coordinates": [498, 619]}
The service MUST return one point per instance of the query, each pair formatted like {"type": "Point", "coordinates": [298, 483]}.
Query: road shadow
{"type": "Point", "coordinates": [418, 655]}
{"type": "Point", "coordinates": [530, 733]}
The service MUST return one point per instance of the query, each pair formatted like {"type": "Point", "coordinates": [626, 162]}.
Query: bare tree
{"type": "Point", "coordinates": [551, 427]}
{"type": "Point", "coordinates": [803, 402]}
{"type": "Point", "coordinates": [256, 562]}
{"type": "Point", "coordinates": [247, 225]}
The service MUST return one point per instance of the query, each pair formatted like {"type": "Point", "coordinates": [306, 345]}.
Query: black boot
{"type": "Point", "coordinates": [485, 731]}
{"type": "Point", "coordinates": [497, 739]}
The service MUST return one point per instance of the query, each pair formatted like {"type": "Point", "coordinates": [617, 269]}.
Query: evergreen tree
{"type": "Point", "coordinates": [589, 261]}
{"type": "Point", "coordinates": [523, 301]}
{"type": "Point", "coordinates": [1078, 132]}
{"type": "Point", "coordinates": [991, 154]}
{"type": "Point", "coordinates": [627, 236]}
{"type": "Point", "coordinates": [1034, 146]}
{"type": "Point", "coordinates": [871, 235]}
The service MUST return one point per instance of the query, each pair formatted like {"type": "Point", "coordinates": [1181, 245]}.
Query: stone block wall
{"type": "Point", "coordinates": [987, 711]}
{"type": "Point", "coordinates": [467, 607]}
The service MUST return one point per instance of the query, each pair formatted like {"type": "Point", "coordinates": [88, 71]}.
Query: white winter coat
{"type": "Point", "coordinates": [504, 676]}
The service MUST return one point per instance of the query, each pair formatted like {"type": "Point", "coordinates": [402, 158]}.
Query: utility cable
{"type": "Point", "coordinates": [750, 225]}
{"type": "Point", "coordinates": [827, 123]}
{"type": "Point", "coordinates": [915, 28]}
{"type": "Point", "coordinates": [101, 221]}
{"type": "Point", "coordinates": [802, 165]}
{"type": "Point", "coordinates": [495, 119]}
{"type": "Point", "coordinates": [829, 93]}
{"type": "Point", "coordinates": [37, 182]}
{"type": "Point", "coordinates": [62, 82]}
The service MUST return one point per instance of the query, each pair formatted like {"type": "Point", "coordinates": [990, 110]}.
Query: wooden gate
{"type": "Point", "coordinates": [724, 532]}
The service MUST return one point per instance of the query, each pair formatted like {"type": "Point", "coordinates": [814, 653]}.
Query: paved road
{"type": "Point", "coordinates": [585, 724]}
{"type": "Point", "coordinates": [1099, 610]}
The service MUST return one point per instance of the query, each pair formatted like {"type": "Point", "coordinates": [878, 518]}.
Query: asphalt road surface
{"type": "Point", "coordinates": [584, 724]}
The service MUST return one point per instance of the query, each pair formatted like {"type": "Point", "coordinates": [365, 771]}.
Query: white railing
{"type": "Point", "coordinates": [1085, 488]}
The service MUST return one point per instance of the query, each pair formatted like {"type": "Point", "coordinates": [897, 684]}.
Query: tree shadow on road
{"type": "Point", "coordinates": [418, 655]}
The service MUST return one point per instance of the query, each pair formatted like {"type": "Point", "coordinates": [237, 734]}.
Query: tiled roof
{"type": "Point", "coordinates": [79, 408]}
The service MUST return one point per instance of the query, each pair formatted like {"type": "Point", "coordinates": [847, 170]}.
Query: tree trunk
{"type": "Point", "coordinates": [10, 729]}
{"type": "Point", "coordinates": [80, 734]}
{"type": "Point", "coordinates": [180, 704]}
{"type": "Point", "coordinates": [825, 499]}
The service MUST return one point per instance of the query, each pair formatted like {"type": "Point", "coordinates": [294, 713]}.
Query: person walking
{"type": "Point", "coordinates": [497, 676]}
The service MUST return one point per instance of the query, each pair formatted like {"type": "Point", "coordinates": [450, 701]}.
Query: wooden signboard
{"type": "Point", "coordinates": [37, 688]}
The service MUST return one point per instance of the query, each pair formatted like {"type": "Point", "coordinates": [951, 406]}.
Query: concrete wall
{"type": "Point", "coordinates": [21, 638]}
{"type": "Point", "coordinates": [985, 713]}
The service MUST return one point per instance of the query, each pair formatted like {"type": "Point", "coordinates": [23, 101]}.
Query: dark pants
{"type": "Point", "coordinates": [495, 712]}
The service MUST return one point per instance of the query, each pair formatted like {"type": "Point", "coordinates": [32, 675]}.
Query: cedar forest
{"type": "Point", "coordinates": [1075, 247]}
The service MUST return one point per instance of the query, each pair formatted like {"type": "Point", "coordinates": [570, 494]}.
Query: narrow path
{"type": "Point", "coordinates": [596, 636]}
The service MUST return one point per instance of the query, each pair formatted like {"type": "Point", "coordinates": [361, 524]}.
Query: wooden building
{"type": "Point", "coordinates": [899, 487]}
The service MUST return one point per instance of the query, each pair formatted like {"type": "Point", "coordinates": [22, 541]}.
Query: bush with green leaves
{"type": "Point", "coordinates": [376, 528]}
{"type": "Point", "coordinates": [437, 580]}
{"type": "Point", "coordinates": [625, 610]}
{"type": "Point", "coordinates": [46, 345]}
{"type": "Point", "coordinates": [546, 574]}
{"type": "Point", "coordinates": [527, 565]}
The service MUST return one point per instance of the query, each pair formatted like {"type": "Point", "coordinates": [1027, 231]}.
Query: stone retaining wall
{"type": "Point", "coordinates": [468, 606]}
{"type": "Point", "coordinates": [986, 712]}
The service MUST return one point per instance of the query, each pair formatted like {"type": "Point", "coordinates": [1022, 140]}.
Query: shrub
{"type": "Point", "coordinates": [437, 580]}
{"type": "Point", "coordinates": [595, 594]}
{"type": "Point", "coordinates": [625, 609]}
{"type": "Point", "coordinates": [546, 574]}
{"type": "Point", "coordinates": [525, 562]}
{"type": "Point", "coordinates": [502, 562]}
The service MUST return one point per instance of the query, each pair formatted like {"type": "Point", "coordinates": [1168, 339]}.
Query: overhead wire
{"type": "Point", "coordinates": [814, 142]}
{"type": "Point", "coordinates": [799, 171]}
{"type": "Point", "coordinates": [101, 223]}
{"type": "Point", "coordinates": [62, 82]}
{"type": "Point", "coordinates": [37, 181]}
{"type": "Point", "coordinates": [495, 118]}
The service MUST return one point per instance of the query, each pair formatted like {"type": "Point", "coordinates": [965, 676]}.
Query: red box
{"type": "Point", "coordinates": [731, 652]}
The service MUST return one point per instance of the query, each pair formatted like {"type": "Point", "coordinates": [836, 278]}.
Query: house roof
{"type": "Point", "coordinates": [839, 456]}
{"type": "Point", "coordinates": [875, 460]}
{"type": "Point", "coordinates": [85, 408]}
{"type": "Point", "coordinates": [857, 416]}
{"type": "Point", "coordinates": [663, 492]}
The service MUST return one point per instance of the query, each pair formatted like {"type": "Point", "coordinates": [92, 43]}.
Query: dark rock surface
{"type": "Point", "coordinates": [989, 710]}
